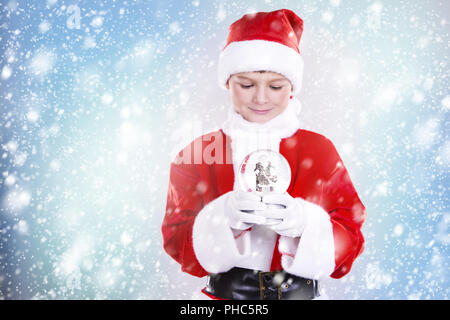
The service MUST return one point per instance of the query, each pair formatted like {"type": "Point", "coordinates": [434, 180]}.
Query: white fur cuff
{"type": "Point", "coordinates": [212, 238]}
{"type": "Point", "coordinates": [312, 255]}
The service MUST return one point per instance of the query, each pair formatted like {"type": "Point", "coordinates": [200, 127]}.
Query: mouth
{"type": "Point", "coordinates": [258, 111]}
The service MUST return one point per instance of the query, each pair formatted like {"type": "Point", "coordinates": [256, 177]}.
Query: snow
{"type": "Point", "coordinates": [6, 72]}
{"type": "Point", "coordinates": [446, 103]}
{"type": "Point", "coordinates": [42, 62]}
{"type": "Point", "coordinates": [97, 22]}
{"type": "Point", "coordinates": [44, 26]}
{"type": "Point", "coordinates": [327, 17]}
{"type": "Point", "coordinates": [426, 133]}
{"type": "Point", "coordinates": [398, 230]}
{"type": "Point", "coordinates": [376, 278]}
{"type": "Point", "coordinates": [17, 200]}
{"type": "Point", "coordinates": [32, 116]}
{"type": "Point", "coordinates": [98, 97]}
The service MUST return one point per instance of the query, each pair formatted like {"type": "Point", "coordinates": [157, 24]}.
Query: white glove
{"type": "Point", "coordinates": [243, 209]}
{"type": "Point", "coordinates": [283, 206]}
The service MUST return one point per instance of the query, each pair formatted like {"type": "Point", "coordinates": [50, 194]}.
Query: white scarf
{"type": "Point", "coordinates": [247, 137]}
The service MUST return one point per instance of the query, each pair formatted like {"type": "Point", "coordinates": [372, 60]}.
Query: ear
{"type": "Point", "coordinates": [227, 85]}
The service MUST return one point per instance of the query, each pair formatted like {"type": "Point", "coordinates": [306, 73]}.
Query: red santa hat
{"type": "Point", "coordinates": [264, 41]}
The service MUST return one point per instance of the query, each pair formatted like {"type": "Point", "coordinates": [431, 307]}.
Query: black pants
{"type": "Point", "coordinates": [246, 284]}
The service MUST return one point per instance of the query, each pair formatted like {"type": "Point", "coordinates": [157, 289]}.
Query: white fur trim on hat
{"type": "Point", "coordinates": [259, 55]}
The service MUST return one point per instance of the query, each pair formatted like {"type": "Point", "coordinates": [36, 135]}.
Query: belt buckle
{"type": "Point", "coordinates": [262, 288]}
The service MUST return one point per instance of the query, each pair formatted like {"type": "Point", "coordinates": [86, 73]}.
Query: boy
{"type": "Point", "coordinates": [213, 227]}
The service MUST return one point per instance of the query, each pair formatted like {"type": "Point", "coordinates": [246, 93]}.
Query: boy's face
{"type": "Point", "coordinates": [259, 96]}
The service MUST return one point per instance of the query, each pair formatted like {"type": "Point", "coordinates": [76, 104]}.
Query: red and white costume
{"type": "Point", "coordinates": [196, 231]}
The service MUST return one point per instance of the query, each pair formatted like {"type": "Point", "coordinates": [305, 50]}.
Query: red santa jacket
{"type": "Point", "coordinates": [318, 176]}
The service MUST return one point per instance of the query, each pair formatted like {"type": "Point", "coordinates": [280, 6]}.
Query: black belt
{"type": "Point", "coordinates": [246, 284]}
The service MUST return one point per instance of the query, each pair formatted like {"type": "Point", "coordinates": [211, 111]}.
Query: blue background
{"type": "Point", "coordinates": [97, 96]}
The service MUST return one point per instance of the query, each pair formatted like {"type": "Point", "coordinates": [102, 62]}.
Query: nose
{"type": "Point", "coordinates": [260, 95]}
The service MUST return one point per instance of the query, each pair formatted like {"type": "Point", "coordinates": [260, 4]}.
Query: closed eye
{"type": "Point", "coordinates": [243, 86]}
